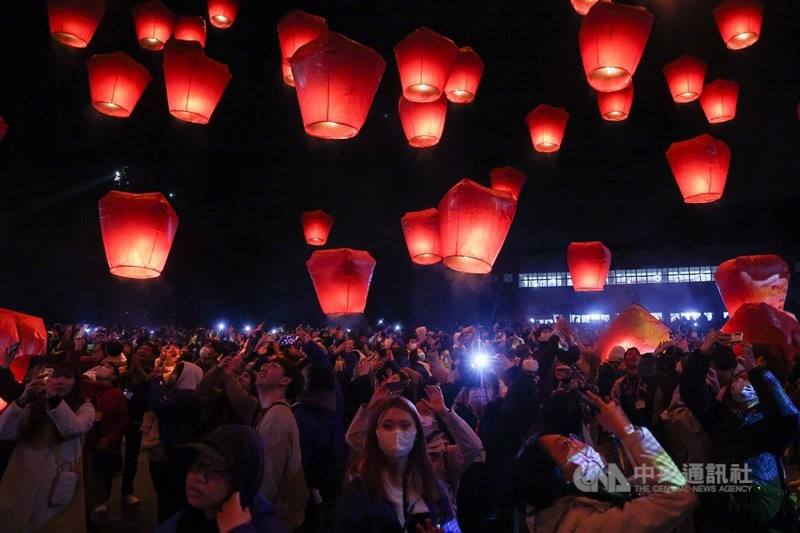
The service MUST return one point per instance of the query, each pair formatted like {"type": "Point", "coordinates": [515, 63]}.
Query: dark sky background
{"type": "Point", "coordinates": [241, 182]}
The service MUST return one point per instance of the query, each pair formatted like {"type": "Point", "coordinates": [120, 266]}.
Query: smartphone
{"type": "Point", "coordinates": [736, 337]}
{"type": "Point", "coordinates": [46, 372]}
{"type": "Point", "coordinates": [287, 340]}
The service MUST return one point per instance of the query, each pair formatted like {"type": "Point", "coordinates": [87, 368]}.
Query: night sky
{"type": "Point", "coordinates": [241, 182]}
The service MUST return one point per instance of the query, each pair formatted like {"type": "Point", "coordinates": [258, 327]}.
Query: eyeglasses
{"type": "Point", "coordinates": [209, 471]}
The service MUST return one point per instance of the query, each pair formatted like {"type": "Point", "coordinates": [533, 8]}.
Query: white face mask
{"type": "Point", "coordinates": [421, 356]}
{"type": "Point", "coordinates": [396, 443]}
{"type": "Point", "coordinates": [428, 424]}
{"type": "Point", "coordinates": [590, 463]}
{"type": "Point", "coordinates": [204, 351]}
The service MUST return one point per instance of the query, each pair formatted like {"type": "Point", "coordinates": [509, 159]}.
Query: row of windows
{"type": "Point", "coordinates": [632, 276]}
{"type": "Point", "coordinates": [602, 317]}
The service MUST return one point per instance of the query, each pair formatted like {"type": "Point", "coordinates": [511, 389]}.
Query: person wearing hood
{"type": "Point", "coordinates": [222, 486]}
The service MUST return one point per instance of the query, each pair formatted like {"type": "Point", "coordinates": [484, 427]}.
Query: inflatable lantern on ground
{"type": "Point", "coordinates": [423, 122]}
{"type": "Point", "coordinates": [615, 106]}
{"type": "Point", "coordinates": [73, 22]}
{"type": "Point", "coordinates": [424, 61]}
{"type": "Point", "coordinates": [462, 85]}
{"type": "Point", "coordinates": [154, 24]}
{"type": "Point", "coordinates": [719, 100]}
{"type": "Point", "coordinates": [473, 224]}
{"type": "Point", "coordinates": [588, 265]}
{"type": "Point", "coordinates": [341, 278]}
{"type": "Point", "coordinates": [685, 77]}
{"type": "Point", "coordinates": [700, 166]}
{"type": "Point", "coordinates": [633, 328]}
{"type": "Point", "coordinates": [29, 332]}
{"type": "Point", "coordinates": [116, 82]}
{"type": "Point", "coordinates": [222, 13]}
{"type": "Point", "coordinates": [583, 6]}
{"type": "Point", "coordinates": [296, 29]}
{"type": "Point", "coordinates": [612, 40]}
{"type": "Point", "coordinates": [191, 29]}
{"type": "Point", "coordinates": [194, 82]}
{"type": "Point", "coordinates": [753, 279]}
{"type": "Point", "coordinates": [508, 179]}
{"type": "Point", "coordinates": [336, 80]}
{"type": "Point", "coordinates": [421, 230]}
{"type": "Point", "coordinates": [138, 230]}
{"type": "Point", "coordinates": [763, 324]}
{"type": "Point", "coordinates": [316, 226]}
{"type": "Point", "coordinates": [739, 22]}
{"type": "Point", "coordinates": [546, 125]}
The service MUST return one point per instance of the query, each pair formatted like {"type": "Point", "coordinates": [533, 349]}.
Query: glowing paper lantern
{"type": "Point", "coordinates": [719, 100]}
{"type": "Point", "coordinates": [3, 128]}
{"type": "Point", "coordinates": [685, 77]}
{"type": "Point", "coordinates": [508, 179]}
{"type": "Point", "coordinates": [336, 80]}
{"type": "Point", "coordinates": [546, 125]}
{"type": "Point", "coordinates": [191, 29]}
{"type": "Point", "coordinates": [222, 13]}
{"type": "Point", "coordinates": [424, 61]}
{"type": "Point", "coordinates": [700, 166]}
{"type": "Point", "coordinates": [194, 82]}
{"type": "Point", "coordinates": [341, 279]}
{"type": "Point", "coordinates": [583, 6]}
{"type": "Point", "coordinates": [615, 106]}
{"type": "Point", "coordinates": [423, 122]}
{"type": "Point", "coordinates": [633, 328]}
{"type": "Point", "coordinates": [316, 226]}
{"type": "Point", "coordinates": [612, 40]}
{"type": "Point", "coordinates": [29, 331]}
{"type": "Point", "coordinates": [753, 279]}
{"type": "Point", "coordinates": [762, 323]}
{"type": "Point", "coordinates": [739, 22]}
{"type": "Point", "coordinates": [465, 76]}
{"type": "Point", "coordinates": [421, 230]}
{"type": "Point", "coordinates": [116, 82]}
{"type": "Point", "coordinates": [296, 29]}
{"type": "Point", "coordinates": [154, 24]}
{"type": "Point", "coordinates": [138, 230]}
{"type": "Point", "coordinates": [473, 224]}
{"type": "Point", "coordinates": [73, 22]}
{"type": "Point", "coordinates": [588, 265]}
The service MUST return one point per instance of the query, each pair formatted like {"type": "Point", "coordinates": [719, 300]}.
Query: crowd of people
{"type": "Point", "coordinates": [512, 428]}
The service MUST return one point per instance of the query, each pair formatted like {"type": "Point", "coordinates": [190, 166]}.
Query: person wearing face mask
{"type": "Point", "coordinates": [552, 469]}
{"type": "Point", "coordinates": [392, 486]}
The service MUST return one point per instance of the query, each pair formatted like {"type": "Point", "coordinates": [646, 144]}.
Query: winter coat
{"type": "Point", "coordinates": [263, 521]}
{"type": "Point", "coordinates": [112, 414]}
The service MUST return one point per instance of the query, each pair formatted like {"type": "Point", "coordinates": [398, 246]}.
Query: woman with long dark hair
{"type": "Point", "coordinates": [392, 486]}
{"type": "Point", "coordinates": [42, 488]}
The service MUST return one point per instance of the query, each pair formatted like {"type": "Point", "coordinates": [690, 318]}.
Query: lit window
{"type": "Point", "coordinates": [657, 316]}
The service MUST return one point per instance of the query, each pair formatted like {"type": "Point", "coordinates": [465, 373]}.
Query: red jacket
{"type": "Point", "coordinates": [112, 411]}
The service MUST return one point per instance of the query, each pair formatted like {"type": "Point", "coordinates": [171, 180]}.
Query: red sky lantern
{"type": "Point", "coordinates": [296, 29]}
{"type": "Point", "coordinates": [700, 166]}
{"type": "Point", "coordinates": [423, 122]}
{"type": "Point", "coordinates": [685, 77]}
{"type": "Point", "coordinates": [588, 265]}
{"type": "Point", "coordinates": [508, 179]}
{"type": "Point", "coordinates": [546, 125]}
{"type": "Point", "coordinates": [138, 230]}
{"type": "Point", "coordinates": [316, 226]}
{"type": "Point", "coordinates": [424, 61]}
{"type": "Point", "coordinates": [421, 230]}
{"type": "Point", "coordinates": [154, 24]}
{"type": "Point", "coordinates": [222, 13]}
{"type": "Point", "coordinates": [73, 22]}
{"type": "Point", "coordinates": [473, 223]}
{"type": "Point", "coordinates": [615, 106]}
{"type": "Point", "coordinates": [189, 28]}
{"type": "Point", "coordinates": [583, 6]}
{"type": "Point", "coordinates": [3, 128]}
{"type": "Point", "coordinates": [739, 22]}
{"type": "Point", "coordinates": [116, 82]}
{"type": "Point", "coordinates": [194, 82]}
{"type": "Point", "coordinates": [719, 100]}
{"type": "Point", "coordinates": [465, 76]}
{"type": "Point", "coordinates": [762, 323]}
{"type": "Point", "coordinates": [336, 79]}
{"type": "Point", "coordinates": [612, 40]}
{"type": "Point", "coordinates": [341, 278]}
{"type": "Point", "coordinates": [27, 330]}
{"type": "Point", "coordinates": [753, 279]}
{"type": "Point", "coordinates": [635, 327]}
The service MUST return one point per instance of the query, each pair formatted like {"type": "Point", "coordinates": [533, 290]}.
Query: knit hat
{"type": "Point", "coordinates": [617, 354]}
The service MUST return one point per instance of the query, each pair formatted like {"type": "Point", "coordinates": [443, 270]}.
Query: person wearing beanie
{"type": "Point", "coordinates": [222, 486]}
